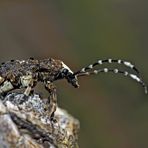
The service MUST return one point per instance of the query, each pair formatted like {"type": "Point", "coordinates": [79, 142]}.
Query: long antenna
{"type": "Point", "coordinates": [106, 70]}
{"type": "Point", "coordinates": [100, 62]}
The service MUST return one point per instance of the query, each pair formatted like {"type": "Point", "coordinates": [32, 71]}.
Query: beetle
{"type": "Point", "coordinates": [16, 74]}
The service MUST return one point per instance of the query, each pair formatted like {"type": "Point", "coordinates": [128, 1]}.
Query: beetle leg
{"type": "Point", "coordinates": [52, 97]}
{"type": "Point", "coordinates": [29, 90]}
{"type": "Point", "coordinates": [29, 82]}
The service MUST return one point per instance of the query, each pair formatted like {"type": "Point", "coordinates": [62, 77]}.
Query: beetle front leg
{"type": "Point", "coordinates": [52, 98]}
{"type": "Point", "coordinates": [29, 88]}
{"type": "Point", "coordinates": [27, 91]}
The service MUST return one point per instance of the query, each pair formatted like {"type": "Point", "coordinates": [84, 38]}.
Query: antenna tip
{"type": "Point", "coordinates": [146, 91]}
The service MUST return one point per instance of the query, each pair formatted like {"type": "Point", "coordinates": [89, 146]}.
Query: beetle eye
{"type": "Point", "coordinates": [65, 71]}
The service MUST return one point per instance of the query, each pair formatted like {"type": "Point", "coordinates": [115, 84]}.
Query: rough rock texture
{"type": "Point", "coordinates": [24, 123]}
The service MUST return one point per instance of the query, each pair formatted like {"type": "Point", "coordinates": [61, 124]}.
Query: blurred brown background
{"type": "Point", "coordinates": [113, 110]}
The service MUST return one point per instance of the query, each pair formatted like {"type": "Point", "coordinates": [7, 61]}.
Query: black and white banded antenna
{"type": "Point", "coordinates": [86, 71]}
{"type": "Point", "coordinates": [109, 61]}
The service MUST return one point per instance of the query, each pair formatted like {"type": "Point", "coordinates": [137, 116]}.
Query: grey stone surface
{"type": "Point", "coordinates": [25, 123]}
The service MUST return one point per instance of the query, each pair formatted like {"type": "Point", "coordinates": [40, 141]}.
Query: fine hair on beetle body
{"type": "Point", "coordinates": [17, 74]}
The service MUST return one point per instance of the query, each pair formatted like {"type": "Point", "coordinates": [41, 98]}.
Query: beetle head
{"type": "Point", "coordinates": [67, 73]}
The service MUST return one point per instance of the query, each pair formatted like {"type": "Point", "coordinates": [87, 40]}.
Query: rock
{"type": "Point", "coordinates": [25, 123]}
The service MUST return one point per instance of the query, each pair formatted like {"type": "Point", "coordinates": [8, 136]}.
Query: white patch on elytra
{"type": "Point", "coordinates": [66, 67]}
{"type": "Point", "coordinates": [6, 86]}
{"type": "Point", "coordinates": [22, 61]}
{"type": "Point", "coordinates": [25, 80]}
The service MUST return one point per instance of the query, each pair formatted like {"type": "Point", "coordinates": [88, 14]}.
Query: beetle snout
{"type": "Point", "coordinates": [73, 80]}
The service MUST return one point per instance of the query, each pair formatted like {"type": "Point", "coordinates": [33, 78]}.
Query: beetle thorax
{"type": "Point", "coordinates": [66, 67]}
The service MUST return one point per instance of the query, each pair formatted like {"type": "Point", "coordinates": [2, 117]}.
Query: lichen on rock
{"type": "Point", "coordinates": [25, 123]}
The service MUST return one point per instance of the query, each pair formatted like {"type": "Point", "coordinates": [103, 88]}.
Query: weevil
{"type": "Point", "coordinates": [16, 74]}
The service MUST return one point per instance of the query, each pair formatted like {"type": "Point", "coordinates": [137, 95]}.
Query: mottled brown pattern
{"type": "Point", "coordinates": [41, 70]}
{"type": "Point", "coordinates": [17, 74]}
